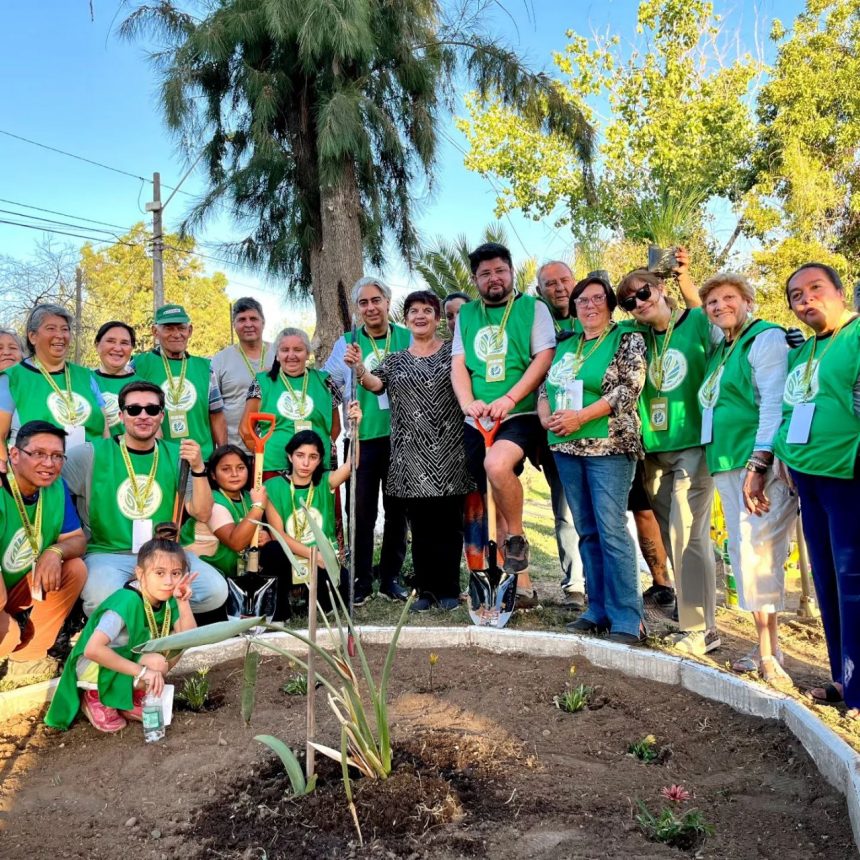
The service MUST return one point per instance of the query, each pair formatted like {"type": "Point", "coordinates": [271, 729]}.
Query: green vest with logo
{"type": "Point", "coordinates": [224, 558]}
{"type": "Point", "coordinates": [591, 373]}
{"type": "Point", "coordinates": [110, 387]}
{"type": "Point", "coordinates": [288, 407]}
{"type": "Point", "coordinates": [36, 400]}
{"type": "Point", "coordinates": [834, 437]}
{"type": "Point", "coordinates": [479, 326]}
{"type": "Point", "coordinates": [684, 363]}
{"type": "Point", "coordinates": [193, 400]}
{"type": "Point", "coordinates": [322, 507]}
{"type": "Point", "coordinates": [112, 503]}
{"type": "Point", "coordinates": [376, 422]}
{"type": "Point", "coordinates": [736, 413]}
{"type": "Point", "coordinates": [16, 554]}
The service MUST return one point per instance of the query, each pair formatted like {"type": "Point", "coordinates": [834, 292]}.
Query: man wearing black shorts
{"type": "Point", "coordinates": [503, 346]}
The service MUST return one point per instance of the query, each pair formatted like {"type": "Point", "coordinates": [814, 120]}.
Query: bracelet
{"type": "Point", "coordinates": [55, 549]}
{"type": "Point", "coordinates": [360, 372]}
{"type": "Point", "coordinates": [198, 474]}
{"type": "Point", "coordinates": [140, 674]}
{"type": "Point", "coordinates": [757, 466]}
{"type": "Point", "coordinates": [510, 398]}
{"type": "Point", "coordinates": [259, 505]}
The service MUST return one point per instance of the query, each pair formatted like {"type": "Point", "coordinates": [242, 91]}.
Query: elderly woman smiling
{"type": "Point", "coordinates": [114, 342]}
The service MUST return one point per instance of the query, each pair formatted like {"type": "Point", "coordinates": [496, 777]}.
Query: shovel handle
{"type": "Point", "coordinates": [255, 419]}
{"type": "Point", "coordinates": [489, 434]}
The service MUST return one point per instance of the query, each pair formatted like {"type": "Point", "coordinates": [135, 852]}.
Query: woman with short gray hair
{"type": "Point", "coordinates": [11, 348]}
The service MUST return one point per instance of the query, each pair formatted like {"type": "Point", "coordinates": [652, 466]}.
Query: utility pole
{"type": "Point", "coordinates": [79, 309]}
{"type": "Point", "coordinates": [157, 244]}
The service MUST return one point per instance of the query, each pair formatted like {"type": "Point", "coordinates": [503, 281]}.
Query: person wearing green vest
{"type": "Point", "coordinates": [104, 677]}
{"type": "Point", "coordinates": [819, 441]}
{"type": "Point", "coordinates": [128, 484]}
{"type": "Point", "coordinates": [677, 478]}
{"type": "Point", "coordinates": [193, 405]}
{"type": "Point", "coordinates": [45, 386]}
{"type": "Point", "coordinates": [11, 348]}
{"type": "Point", "coordinates": [41, 544]}
{"type": "Point", "coordinates": [741, 403]}
{"type": "Point", "coordinates": [503, 346]}
{"type": "Point", "coordinates": [588, 408]}
{"type": "Point", "coordinates": [115, 341]}
{"type": "Point", "coordinates": [378, 337]}
{"type": "Point", "coordinates": [300, 398]}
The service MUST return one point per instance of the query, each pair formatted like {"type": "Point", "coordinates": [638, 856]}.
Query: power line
{"type": "Point", "coordinates": [64, 214]}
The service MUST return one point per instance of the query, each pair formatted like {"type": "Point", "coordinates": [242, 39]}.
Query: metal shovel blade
{"type": "Point", "coordinates": [492, 605]}
{"type": "Point", "coordinates": [251, 596]}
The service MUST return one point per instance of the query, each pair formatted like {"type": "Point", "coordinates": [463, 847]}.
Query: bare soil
{"type": "Point", "coordinates": [486, 766]}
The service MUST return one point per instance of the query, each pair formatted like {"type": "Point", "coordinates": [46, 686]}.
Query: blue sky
{"type": "Point", "coordinates": [72, 84]}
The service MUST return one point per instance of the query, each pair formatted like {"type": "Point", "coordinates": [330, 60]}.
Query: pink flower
{"type": "Point", "coordinates": [675, 793]}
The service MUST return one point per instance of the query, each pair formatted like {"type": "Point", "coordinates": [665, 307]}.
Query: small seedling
{"type": "Point", "coordinates": [296, 685]}
{"type": "Point", "coordinates": [645, 749]}
{"type": "Point", "coordinates": [685, 831]}
{"type": "Point", "coordinates": [195, 690]}
{"type": "Point", "coordinates": [573, 699]}
{"type": "Point", "coordinates": [433, 660]}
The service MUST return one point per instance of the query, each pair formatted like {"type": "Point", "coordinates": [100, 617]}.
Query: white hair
{"type": "Point", "coordinates": [370, 282]}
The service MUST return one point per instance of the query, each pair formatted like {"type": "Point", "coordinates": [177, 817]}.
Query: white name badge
{"type": "Point", "coordinates": [141, 532]}
{"type": "Point", "coordinates": [75, 435]}
{"type": "Point", "coordinates": [707, 425]}
{"type": "Point", "coordinates": [571, 395]}
{"type": "Point", "coordinates": [382, 400]}
{"type": "Point", "coordinates": [800, 424]}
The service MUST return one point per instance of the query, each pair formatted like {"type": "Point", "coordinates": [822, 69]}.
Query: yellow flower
{"type": "Point", "coordinates": [434, 659]}
{"type": "Point", "coordinates": [572, 671]}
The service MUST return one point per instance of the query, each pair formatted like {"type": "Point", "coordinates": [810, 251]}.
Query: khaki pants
{"type": "Point", "coordinates": [682, 494]}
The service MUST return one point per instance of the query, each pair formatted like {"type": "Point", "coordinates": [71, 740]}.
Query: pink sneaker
{"type": "Point", "coordinates": [103, 718]}
{"type": "Point", "coordinates": [136, 713]}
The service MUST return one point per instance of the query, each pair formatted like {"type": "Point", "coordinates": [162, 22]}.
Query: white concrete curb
{"type": "Point", "coordinates": [835, 759]}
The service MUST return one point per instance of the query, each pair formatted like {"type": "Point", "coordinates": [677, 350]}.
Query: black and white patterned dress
{"type": "Point", "coordinates": [427, 455]}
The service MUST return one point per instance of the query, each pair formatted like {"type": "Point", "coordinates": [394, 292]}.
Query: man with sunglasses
{"type": "Point", "coordinates": [128, 484]}
{"type": "Point", "coordinates": [41, 544]}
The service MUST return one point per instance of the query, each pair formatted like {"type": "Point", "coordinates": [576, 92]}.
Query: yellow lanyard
{"type": "Point", "coordinates": [140, 496]}
{"type": "Point", "coordinates": [233, 506]}
{"type": "Point", "coordinates": [299, 525]}
{"type": "Point", "coordinates": [710, 385]}
{"type": "Point", "coordinates": [809, 370]}
{"type": "Point", "coordinates": [579, 359]}
{"type": "Point", "coordinates": [151, 622]}
{"type": "Point", "coordinates": [299, 404]}
{"type": "Point", "coordinates": [380, 356]}
{"type": "Point", "coordinates": [33, 530]}
{"type": "Point", "coordinates": [659, 356]}
{"type": "Point", "coordinates": [175, 388]}
{"type": "Point", "coordinates": [247, 360]}
{"type": "Point", "coordinates": [498, 333]}
{"type": "Point", "coordinates": [67, 395]}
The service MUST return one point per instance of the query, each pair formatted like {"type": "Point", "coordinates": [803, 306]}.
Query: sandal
{"type": "Point", "coordinates": [832, 695]}
{"type": "Point", "coordinates": [750, 662]}
{"type": "Point", "coordinates": [773, 674]}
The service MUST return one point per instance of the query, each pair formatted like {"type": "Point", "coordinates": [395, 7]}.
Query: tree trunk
{"type": "Point", "coordinates": [338, 261]}
{"type": "Point", "coordinates": [724, 254]}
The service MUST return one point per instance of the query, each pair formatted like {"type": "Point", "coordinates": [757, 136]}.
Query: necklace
{"type": "Point", "coordinates": [579, 359]}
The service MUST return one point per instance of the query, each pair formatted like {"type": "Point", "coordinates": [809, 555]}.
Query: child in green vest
{"type": "Point", "coordinates": [103, 677]}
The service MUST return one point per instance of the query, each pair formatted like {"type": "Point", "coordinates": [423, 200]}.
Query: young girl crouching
{"type": "Point", "coordinates": [103, 677]}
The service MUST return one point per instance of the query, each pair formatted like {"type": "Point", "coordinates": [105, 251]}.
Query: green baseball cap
{"type": "Point", "coordinates": [168, 314]}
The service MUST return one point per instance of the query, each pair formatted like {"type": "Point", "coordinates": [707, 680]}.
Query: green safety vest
{"type": "Point", "coordinates": [287, 409]}
{"type": "Point", "coordinates": [834, 437]}
{"type": "Point", "coordinates": [591, 373]}
{"type": "Point", "coordinates": [684, 366]}
{"type": "Point", "coordinates": [735, 411]}
{"type": "Point", "coordinates": [116, 690]}
{"type": "Point", "coordinates": [112, 505]}
{"type": "Point", "coordinates": [479, 343]}
{"type": "Point", "coordinates": [35, 400]}
{"type": "Point", "coordinates": [110, 387]}
{"type": "Point", "coordinates": [322, 507]}
{"type": "Point", "coordinates": [224, 558]}
{"type": "Point", "coordinates": [193, 401]}
{"type": "Point", "coordinates": [16, 554]}
{"type": "Point", "coordinates": [376, 422]}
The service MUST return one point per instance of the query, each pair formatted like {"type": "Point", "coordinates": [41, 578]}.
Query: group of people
{"type": "Point", "coordinates": [648, 413]}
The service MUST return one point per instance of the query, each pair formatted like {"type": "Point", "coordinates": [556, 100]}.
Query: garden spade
{"type": "Point", "coordinates": [353, 443]}
{"type": "Point", "coordinates": [493, 591]}
{"type": "Point", "coordinates": [256, 418]}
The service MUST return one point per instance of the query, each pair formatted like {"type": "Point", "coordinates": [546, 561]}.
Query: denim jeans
{"type": "Point", "coordinates": [596, 490]}
{"type": "Point", "coordinates": [565, 534]}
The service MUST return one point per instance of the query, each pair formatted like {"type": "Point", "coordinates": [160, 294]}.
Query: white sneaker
{"type": "Point", "coordinates": [697, 642]}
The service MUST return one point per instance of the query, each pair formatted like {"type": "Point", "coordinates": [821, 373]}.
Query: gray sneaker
{"type": "Point", "coordinates": [516, 554]}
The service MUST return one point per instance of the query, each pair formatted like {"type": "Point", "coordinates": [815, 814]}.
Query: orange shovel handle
{"type": "Point", "coordinates": [489, 435]}
{"type": "Point", "coordinates": [255, 419]}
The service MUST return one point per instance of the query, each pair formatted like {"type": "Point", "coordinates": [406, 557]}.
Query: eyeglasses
{"type": "Point", "coordinates": [45, 457]}
{"type": "Point", "coordinates": [629, 302]}
{"type": "Point", "coordinates": [134, 409]}
{"type": "Point", "coordinates": [584, 301]}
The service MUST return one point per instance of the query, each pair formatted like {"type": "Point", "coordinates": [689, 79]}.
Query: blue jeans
{"type": "Point", "coordinates": [108, 572]}
{"type": "Point", "coordinates": [828, 508]}
{"type": "Point", "coordinates": [596, 490]}
{"type": "Point", "coordinates": [565, 534]}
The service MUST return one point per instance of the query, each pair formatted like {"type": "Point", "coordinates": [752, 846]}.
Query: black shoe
{"type": "Point", "coordinates": [516, 554]}
{"type": "Point", "coordinates": [583, 625]}
{"type": "Point", "coordinates": [393, 590]}
{"type": "Point", "coordinates": [360, 596]}
{"type": "Point", "coordinates": [449, 604]}
{"type": "Point", "coordinates": [627, 638]}
{"type": "Point", "coordinates": [422, 604]}
{"type": "Point", "coordinates": [661, 595]}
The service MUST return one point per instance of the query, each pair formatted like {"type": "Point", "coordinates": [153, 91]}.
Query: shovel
{"type": "Point", "coordinates": [492, 592]}
{"type": "Point", "coordinates": [257, 418]}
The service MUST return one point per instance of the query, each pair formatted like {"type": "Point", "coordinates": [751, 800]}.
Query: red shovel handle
{"type": "Point", "coordinates": [488, 434]}
{"type": "Point", "coordinates": [255, 419]}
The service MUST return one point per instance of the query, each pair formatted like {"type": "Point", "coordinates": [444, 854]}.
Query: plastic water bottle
{"type": "Point", "coordinates": [153, 719]}
{"type": "Point", "coordinates": [731, 585]}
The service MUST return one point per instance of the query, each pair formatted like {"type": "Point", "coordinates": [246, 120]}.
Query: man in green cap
{"type": "Point", "coordinates": [193, 403]}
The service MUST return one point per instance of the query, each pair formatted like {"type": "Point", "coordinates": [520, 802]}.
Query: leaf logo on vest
{"type": "Point", "coordinates": [290, 406]}
{"type": "Point", "coordinates": [796, 391]}
{"type": "Point", "coordinates": [307, 537]}
{"type": "Point", "coordinates": [19, 554]}
{"type": "Point", "coordinates": [371, 362]}
{"type": "Point", "coordinates": [62, 412]}
{"type": "Point", "coordinates": [674, 370]}
{"type": "Point", "coordinates": [487, 342]}
{"type": "Point", "coordinates": [111, 407]}
{"type": "Point", "coordinates": [186, 401]}
{"type": "Point", "coordinates": [709, 393]}
{"type": "Point", "coordinates": [562, 371]}
{"type": "Point", "coordinates": [127, 503]}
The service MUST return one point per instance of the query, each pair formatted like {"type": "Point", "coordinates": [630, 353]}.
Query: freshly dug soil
{"type": "Point", "coordinates": [485, 766]}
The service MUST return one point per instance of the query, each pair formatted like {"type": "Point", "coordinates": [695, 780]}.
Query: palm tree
{"type": "Point", "coordinates": [315, 117]}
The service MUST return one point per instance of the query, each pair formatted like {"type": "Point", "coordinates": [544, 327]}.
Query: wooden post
{"type": "Point", "coordinates": [312, 676]}
{"type": "Point", "coordinates": [79, 310]}
{"type": "Point", "coordinates": [157, 244]}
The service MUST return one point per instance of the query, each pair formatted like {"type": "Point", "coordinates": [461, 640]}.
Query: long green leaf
{"type": "Point", "coordinates": [249, 683]}
{"type": "Point", "coordinates": [324, 546]}
{"type": "Point", "coordinates": [290, 762]}
{"type": "Point", "coordinates": [209, 634]}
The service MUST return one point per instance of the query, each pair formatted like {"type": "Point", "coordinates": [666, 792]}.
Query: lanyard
{"type": "Point", "coordinates": [299, 405]}
{"type": "Point", "coordinates": [140, 496]}
{"type": "Point", "coordinates": [151, 622]}
{"type": "Point", "coordinates": [380, 355]}
{"type": "Point", "coordinates": [498, 332]}
{"type": "Point", "coordinates": [247, 361]}
{"type": "Point", "coordinates": [809, 370]}
{"type": "Point", "coordinates": [579, 359]}
{"type": "Point", "coordinates": [659, 356]}
{"type": "Point", "coordinates": [68, 395]}
{"type": "Point", "coordinates": [710, 385]}
{"type": "Point", "coordinates": [299, 525]}
{"type": "Point", "coordinates": [175, 388]}
{"type": "Point", "coordinates": [33, 530]}
{"type": "Point", "coordinates": [232, 503]}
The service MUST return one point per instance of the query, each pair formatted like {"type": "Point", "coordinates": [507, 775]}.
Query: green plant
{"type": "Point", "coordinates": [195, 690]}
{"type": "Point", "coordinates": [296, 685]}
{"type": "Point", "coordinates": [433, 660]}
{"type": "Point", "coordinates": [573, 699]}
{"type": "Point", "coordinates": [685, 831]}
{"type": "Point", "coordinates": [291, 765]}
{"type": "Point", "coordinates": [644, 749]}
{"type": "Point", "coordinates": [666, 218]}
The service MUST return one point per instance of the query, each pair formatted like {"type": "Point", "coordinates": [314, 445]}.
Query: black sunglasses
{"type": "Point", "coordinates": [643, 294]}
{"type": "Point", "coordinates": [134, 409]}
